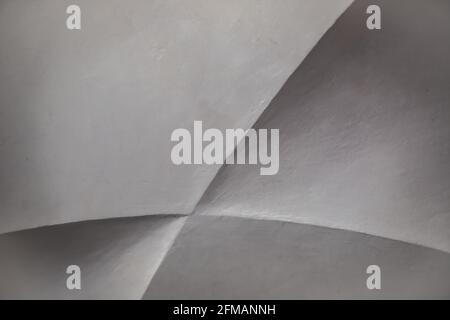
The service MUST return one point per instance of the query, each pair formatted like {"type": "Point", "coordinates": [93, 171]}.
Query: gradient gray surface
{"type": "Point", "coordinates": [364, 132]}
{"type": "Point", "coordinates": [364, 150]}
{"type": "Point", "coordinates": [86, 116]}
{"type": "Point", "coordinates": [235, 258]}
{"type": "Point", "coordinates": [117, 258]}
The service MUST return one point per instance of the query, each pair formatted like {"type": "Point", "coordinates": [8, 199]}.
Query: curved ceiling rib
{"type": "Point", "coordinates": [364, 140]}
{"type": "Point", "coordinates": [86, 116]}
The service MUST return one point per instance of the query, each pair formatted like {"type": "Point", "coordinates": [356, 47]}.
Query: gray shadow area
{"type": "Point", "coordinates": [364, 132]}
{"type": "Point", "coordinates": [117, 258]}
{"type": "Point", "coordinates": [235, 258]}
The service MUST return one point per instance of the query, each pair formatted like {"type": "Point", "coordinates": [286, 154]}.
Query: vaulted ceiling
{"type": "Point", "coordinates": [85, 124]}
{"type": "Point", "coordinates": [87, 115]}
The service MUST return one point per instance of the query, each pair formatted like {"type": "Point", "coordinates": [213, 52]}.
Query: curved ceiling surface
{"type": "Point", "coordinates": [86, 117]}
{"type": "Point", "coordinates": [117, 258]}
{"type": "Point", "coordinates": [364, 133]}
{"type": "Point", "coordinates": [85, 124]}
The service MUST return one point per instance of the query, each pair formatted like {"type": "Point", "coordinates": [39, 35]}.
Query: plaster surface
{"type": "Point", "coordinates": [117, 258]}
{"type": "Point", "coordinates": [236, 258]}
{"type": "Point", "coordinates": [86, 115]}
{"type": "Point", "coordinates": [364, 132]}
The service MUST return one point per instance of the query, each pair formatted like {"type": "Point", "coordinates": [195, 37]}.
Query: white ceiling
{"type": "Point", "coordinates": [85, 122]}
{"type": "Point", "coordinates": [86, 116]}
